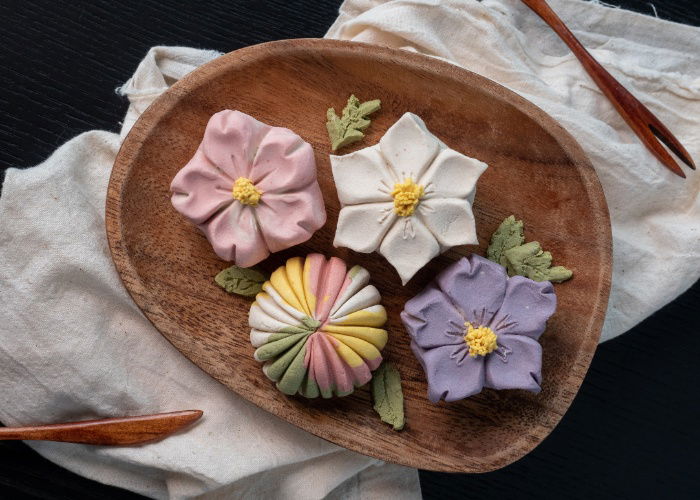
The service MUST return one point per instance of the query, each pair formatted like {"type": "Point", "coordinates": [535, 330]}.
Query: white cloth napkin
{"type": "Point", "coordinates": [655, 214]}
{"type": "Point", "coordinates": [73, 344]}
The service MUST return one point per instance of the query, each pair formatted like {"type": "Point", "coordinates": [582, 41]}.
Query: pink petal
{"type": "Point", "coordinates": [331, 282]}
{"type": "Point", "coordinates": [284, 162]}
{"type": "Point", "coordinates": [235, 236]}
{"type": "Point", "coordinates": [231, 141]}
{"type": "Point", "coordinates": [200, 189]}
{"type": "Point", "coordinates": [326, 367]}
{"type": "Point", "coordinates": [290, 218]}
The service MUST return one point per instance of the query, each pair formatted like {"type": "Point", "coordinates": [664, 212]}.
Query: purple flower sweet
{"type": "Point", "coordinates": [474, 327]}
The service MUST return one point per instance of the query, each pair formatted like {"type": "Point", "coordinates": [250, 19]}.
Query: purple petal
{"type": "Point", "coordinates": [527, 306]}
{"type": "Point", "coordinates": [520, 368]}
{"type": "Point", "coordinates": [431, 320]}
{"type": "Point", "coordinates": [475, 286]}
{"type": "Point", "coordinates": [446, 379]}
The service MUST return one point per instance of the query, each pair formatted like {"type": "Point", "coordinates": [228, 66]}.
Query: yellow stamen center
{"type": "Point", "coordinates": [481, 340]}
{"type": "Point", "coordinates": [246, 192]}
{"type": "Point", "coordinates": [407, 195]}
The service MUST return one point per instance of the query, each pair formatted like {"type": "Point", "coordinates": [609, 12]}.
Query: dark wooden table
{"type": "Point", "coordinates": [632, 431]}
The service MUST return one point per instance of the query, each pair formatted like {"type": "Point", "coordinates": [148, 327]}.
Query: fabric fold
{"type": "Point", "coordinates": [76, 346]}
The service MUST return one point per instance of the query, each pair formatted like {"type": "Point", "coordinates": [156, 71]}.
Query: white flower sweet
{"type": "Point", "coordinates": [409, 196]}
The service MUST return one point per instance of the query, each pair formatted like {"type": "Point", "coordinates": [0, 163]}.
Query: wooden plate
{"type": "Point", "coordinates": [537, 171]}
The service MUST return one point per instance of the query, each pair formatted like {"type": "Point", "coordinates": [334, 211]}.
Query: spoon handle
{"type": "Point", "coordinates": [108, 431]}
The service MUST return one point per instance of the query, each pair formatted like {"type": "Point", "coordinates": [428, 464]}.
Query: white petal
{"type": "Point", "coordinates": [362, 177]}
{"type": "Point", "coordinates": [260, 320]}
{"type": "Point", "coordinates": [409, 147]}
{"type": "Point", "coordinates": [450, 220]}
{"type": "Point", "coordinates": [362, 227]}
{"type": "Point", "coordinates": [408, 246]}
{"type": "Point", "coordinates": [367, 297]}
{"type": "Point", "coordinates": [274, 295]}
{"type": "Point", "coordinates": [258, 337]}
{"type": "Point", "coordinates": [359, 278]}
{"type": "Point", "coordinates": [272, 309]}
{"type": "Point", "coordinates": [452, 175]}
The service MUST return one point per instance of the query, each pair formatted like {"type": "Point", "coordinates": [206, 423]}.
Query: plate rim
{"type": "Point", "coordinates": [148, 120]}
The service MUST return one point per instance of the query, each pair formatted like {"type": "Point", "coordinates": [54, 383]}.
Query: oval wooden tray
{"type": "Point", "coordinates": [536, 171]}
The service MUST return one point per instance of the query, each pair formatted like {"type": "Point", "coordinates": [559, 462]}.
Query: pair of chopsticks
{"type": "Point", "coordinates": [642, 121]}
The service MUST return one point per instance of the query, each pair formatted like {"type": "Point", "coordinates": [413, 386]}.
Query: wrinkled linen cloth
{"type": "Point", "coordinates": [75, 346]}
{"type": "Point", "coordinates": [655, 215]}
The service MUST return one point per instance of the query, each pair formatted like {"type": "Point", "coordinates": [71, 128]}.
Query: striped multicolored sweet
{"type": "Point", "coordinates": [318, 327]}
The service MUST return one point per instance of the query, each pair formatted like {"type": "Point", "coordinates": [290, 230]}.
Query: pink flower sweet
{"type": "Point", "coordinates": [251, 188]}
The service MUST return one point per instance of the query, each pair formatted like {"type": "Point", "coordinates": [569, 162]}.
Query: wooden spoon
{"type": "Point", "coordinates": [107, 431]}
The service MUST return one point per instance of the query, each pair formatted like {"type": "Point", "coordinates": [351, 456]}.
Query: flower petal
{"type": "Point", "coordinates": [409, 147]}
{"type": "Point", "coordinates": [521, 368]}
{"type": "Point", "coordinates": [362, 177]}
{"type": "Point", "coordinates": [200, 189]}
{"type": "Point", "coordinates": [234, 235]}
{"type": "Point", "coordinates": [527, 306]}
{"type": "Point", "coordinates": [362, 227]}
{"type": "Point", "coordinates": [446, 379]}
{"type": "Point", "coordinates": [450, 220]}
{"type": "Point", "coordinates": [408, 246]}
{"type": "Point", "coordinates": [231, 140]}
{"type": "Point", "coordinates": [283, 162]}
{"type": "Point", "coordinates": [475, 286]}
{"type": "Point", "coordinates": [452, 175]}
{"type": "Point", "coordinates": [431, 320]}
{"type": "Point", "coordinates": [288, 219]}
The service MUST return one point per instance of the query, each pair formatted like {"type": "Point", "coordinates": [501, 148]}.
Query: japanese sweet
{"type": "Point", "coordinates": [474, 327]}
{"type": "Point", "coordinates": [250, 188]}
{"type": "Point", "coordinates": [317, 326]}
{"type": "Point", "coordinates": [409, 197]}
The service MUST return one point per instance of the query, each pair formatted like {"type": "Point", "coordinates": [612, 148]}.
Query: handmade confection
{"type": "Point", "coordinates": [409, 197]}
{"type": "Point", "coordinates": [251, 188]}
{"type": "Point", "coordinates": [318, 327]}
{"type": "Point", "coordinates": [475, 327]}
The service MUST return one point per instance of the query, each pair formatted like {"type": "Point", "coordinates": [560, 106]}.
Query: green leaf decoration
{"type": "Point", "coordinates": [508, 235]}
{"type": "Point", "coordinates": [531, 261]}
{"type": "Point", "coordinates": [348, 128]}
{"type": "Point", "coordinates": [388, 396]}
{"type": "Point", "coordinates": [508, 248]}
{"type": "Point", "coordinates": [246, 281]}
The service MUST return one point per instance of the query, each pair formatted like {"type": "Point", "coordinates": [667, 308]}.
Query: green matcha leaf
{"type": "Point", "coordinates": [531, 261]}
{"type": "Point", "coordinates": [508, 248]}
{"type": "Point", "coordinates": [388, 396]}
{"type": "Point", "coordinates": [348, 128]}
{"type": "Point", "coordinates": [241, 280]}
{"type": "Point", "coordinates": [508, 235]}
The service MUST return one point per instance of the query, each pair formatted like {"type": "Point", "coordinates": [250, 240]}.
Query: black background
{"type": "Point", "coordinates": [632, 430]}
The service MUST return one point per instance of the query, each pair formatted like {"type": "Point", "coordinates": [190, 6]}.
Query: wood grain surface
{"type": "Point", "coordinates": [536, 170]}
{"type": "Point", "coordinates": [626, 434]}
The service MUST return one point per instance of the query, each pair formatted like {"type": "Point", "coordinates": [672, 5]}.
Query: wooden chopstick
{"type": "Point", "coordinates": [642, 121]}
{"type": "Point", "coordinates": [107, 431]}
